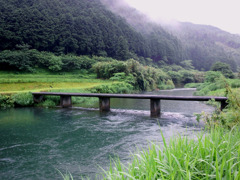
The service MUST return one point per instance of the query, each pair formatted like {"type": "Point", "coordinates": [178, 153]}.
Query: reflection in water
{"type": "Point", "coordinates": [35, 141]}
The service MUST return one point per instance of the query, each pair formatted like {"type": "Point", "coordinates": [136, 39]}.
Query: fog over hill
{"type": "Point", "coordinates": [203, 44]}
{"type": "Point", "coordinates": [113, 29]}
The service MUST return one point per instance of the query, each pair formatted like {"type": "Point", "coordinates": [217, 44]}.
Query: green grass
{"type": "Point", "coordinates": [16, 83]}
{"type": "Point", "coordinates": [212, 156]}
{"type": "Point", "coordinates": [216, 88]}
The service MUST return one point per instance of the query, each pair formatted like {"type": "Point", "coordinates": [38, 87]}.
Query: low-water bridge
{"type": "Point", "coordinates": [104, 99]}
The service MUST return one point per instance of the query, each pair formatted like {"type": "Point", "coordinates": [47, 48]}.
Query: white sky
{"type": "Point", "coordinates": [224, 14]}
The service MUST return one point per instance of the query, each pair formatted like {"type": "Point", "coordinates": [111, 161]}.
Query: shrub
{"type": "Point", "coordinates": [23, 60]}
{"type": "Point", "coordinates": [23, 99]}
{"type": "Point", "coordinates": [119, 88]}
{"type": "Point", "coordinates": [223, 68]}
{"type": "Point", "coordinates": [187, 76]}
{"type": "Point", "coordinates": [6, 102]}
{"type": "Point", "coordinates": [212, 76]}
{"type": "Point", "coordinates": [48, 103]}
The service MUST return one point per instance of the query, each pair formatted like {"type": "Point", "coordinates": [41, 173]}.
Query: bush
{"type": "Point", "coordinates": [23, 99]}
{"type": "Point", "coordinates": [48, 103]}
{"type": "Point", "coordinates": [141, 77]}
{"type": "Point", "coordinates": [119, 88]}
{"type": "Point", "coordinates": [212, 76]}
{"type": "Point", "coordinates": [187, 76]}
{"type": "Point", "coordinates": [223, 68]}
{"type": "Point", "coordinates": [23, 60]}
{"type": "Point", "coordinates": [6, 102]}
{"type": "Point", "coordinates": [106, 70]}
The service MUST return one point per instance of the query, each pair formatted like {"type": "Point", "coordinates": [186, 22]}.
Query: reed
{"type": "Point", "coordinates": [215, 155]}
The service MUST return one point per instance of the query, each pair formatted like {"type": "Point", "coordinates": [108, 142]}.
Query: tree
{"type": "Point", "coordinates": [223, 68]}
{"type": "Point", "coordinates": [122, 52]}
{"type": "Point", "coordinates": [187, 64]}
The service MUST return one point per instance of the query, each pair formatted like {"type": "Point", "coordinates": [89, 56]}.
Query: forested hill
{"type": "Point", "coordinates": [80, 27]}
{"type": "Point", "coordinates": [202, 44]}
{"type": "Point", "coordinates": [207, 44]}
{"type": "Point", "coordinates": [110, 28]}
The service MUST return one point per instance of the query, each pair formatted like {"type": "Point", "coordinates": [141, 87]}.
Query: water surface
{"type": "Point", "coordinates": [35, 142]}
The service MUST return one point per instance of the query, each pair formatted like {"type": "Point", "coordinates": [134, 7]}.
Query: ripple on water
{"type": "Point", "coordinates": [80, 140]}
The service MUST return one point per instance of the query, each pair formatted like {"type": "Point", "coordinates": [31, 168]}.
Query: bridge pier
{"type": "Point", "coordinates": [37, 98]}
{"type": "Point", "coordinates": [66, 101]}
{"type": "Point", "coordinates": [104, 104]}
{"type": "Point", "coordinates": [155, 107]}
{"type": "Point", "coordinates": [223, 105]}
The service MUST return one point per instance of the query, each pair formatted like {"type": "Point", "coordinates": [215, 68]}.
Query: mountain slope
{"type": "Point", "coordinates": [76, 26]}
{"type": "Point", "coordinates": [113, 29]}
{"type": "Point", "coordinates": [207, 44]}
{"type": "Point", "coordinates": [202, 44]}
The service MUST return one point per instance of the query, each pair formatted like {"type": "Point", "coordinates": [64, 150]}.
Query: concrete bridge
{"type": "Point", "coordinates": [104, 99]}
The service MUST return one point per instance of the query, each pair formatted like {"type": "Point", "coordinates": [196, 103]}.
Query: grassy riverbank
{"type": "Point", "coordinates": [215, 154]}
{"type": "Point", "coordinates": [11, 83]}
{"type": "Point", "coordinates": [15, 87]}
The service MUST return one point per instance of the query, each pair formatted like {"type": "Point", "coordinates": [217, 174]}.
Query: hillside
{"type": "Point", "coordinates": [110, 29]}
{"type": "Point", "coordinates": [202, 44]}
{"type": "Point", "coordinates": [79, 27]}
{"type": "Point", "coordinates": [207, 44]}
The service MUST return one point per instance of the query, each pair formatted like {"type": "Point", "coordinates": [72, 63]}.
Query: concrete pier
{"type": "Point", "coordinates": [104, 104]}
{"type": "Point", "coordinates": [66, 101]}
{"type": "Point", "coordinates": [155, 107]}
{"type": "Point", "coordinates": [38, 98]}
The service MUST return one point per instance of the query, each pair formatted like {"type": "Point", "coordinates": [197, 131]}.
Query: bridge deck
{"type": "Point", "coordinates": [104, 99]}
{"type": "Point", "coordinates": [136, 96]}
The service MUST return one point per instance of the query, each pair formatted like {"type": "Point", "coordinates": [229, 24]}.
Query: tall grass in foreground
{"type": "Point", "coordinates": [212, 156]}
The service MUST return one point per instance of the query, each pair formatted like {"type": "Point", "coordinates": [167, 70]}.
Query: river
{"type": "Point", "coordinates": [37, 142]}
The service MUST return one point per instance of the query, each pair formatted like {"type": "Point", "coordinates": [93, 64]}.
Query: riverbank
{"type": "Point", "coordinates": [213, 155]}
{"type": "Point", "coordinates": [15, 87]}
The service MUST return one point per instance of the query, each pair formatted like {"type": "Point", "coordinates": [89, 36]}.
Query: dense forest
{"type": "Point", "coordinates": [107, 29]}
{"type": "Point", "coordinates": [207, 44]}
{"type": "Point", "coordinates": [76, 26]}
{"type": "Point", "coordinates": [202, 44]}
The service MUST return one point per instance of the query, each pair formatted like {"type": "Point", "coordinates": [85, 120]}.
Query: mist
{"type": "Point", "coordinates": [222, 14]}
{"type": "Point", "coordinates": [139, 20]}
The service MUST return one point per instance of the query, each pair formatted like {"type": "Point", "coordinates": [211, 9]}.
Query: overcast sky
{"type": "Point", "coordinates": [224, 14]}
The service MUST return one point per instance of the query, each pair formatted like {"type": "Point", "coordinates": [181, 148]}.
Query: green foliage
{"type": "Point", "coordinates": [55, 63]}
{"type": "Point", "coordinates": [83, 27]}
{"type": "Point", "coordinates": [205, 45]}
{"type": "Point", "coordinates": [141, 77]}
{"type": "Point", "coordinates": [230, 116]}
{"type": "Point", "coordinates": [118, 76]}
{"type": "Point", "coordinates": [6, 102]}
{"type": "Point", "coordinates": [47, 103]}
{"type": "Point", "coordinates": [18, 60]}
{"type": "Point", "coordinates": [107, 70]}
{"type": "Point", "coordinates": [187, 64]}
{"type": "Point", "coordinates": [212, 76]}
{"type": "Point", "coordinates": [214, 81]}
{"type": "Point", "coordinates": [119, 88]}
{"type": "Point", "coordinates": [80, 27]}
{"type": "Point", "coordinates": [23, 99]}
{"type": "Point", "coordinates": [30, 60]}
{"type": "Point", "coordinates": [175, 76]}
{"type": "Point", "coordinates": [212, 156]}
{"type": "Point", "coordinates": [193, 85]}
{"type": "Point", "coordinates": [223, 68]}
{"type": "Point", "coordinates": [187, 76]}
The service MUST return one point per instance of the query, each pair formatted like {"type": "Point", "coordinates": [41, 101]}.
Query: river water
{"type": "Point", "coordinates": [37, 142]}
